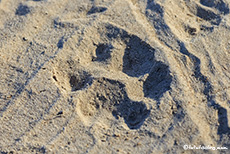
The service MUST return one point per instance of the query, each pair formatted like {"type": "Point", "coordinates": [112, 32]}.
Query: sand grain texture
{"type": "Point", "coordinates": [114, 76]}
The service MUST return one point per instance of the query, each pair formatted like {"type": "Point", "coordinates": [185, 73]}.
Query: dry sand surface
{"type": "Point", "coordinates": [114, 76]}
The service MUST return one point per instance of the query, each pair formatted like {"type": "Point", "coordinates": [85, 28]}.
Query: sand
{"type": "Point", "coordinates": [114, 76]}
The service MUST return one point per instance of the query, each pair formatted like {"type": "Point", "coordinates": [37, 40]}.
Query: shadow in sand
{"type": "Point", "coordinates": [22, 10]}
{"type": "Point", "coordinates": [134, 113]}
{"type": "Point", "coordinates": [112, 96]}
{"type": "Point", "coordinates": [103, 52]}
{"type": "Point", "coordinates": [139, 60]}
{"type": "Point", "coordinates": [223, 121]}
{"type": "Point", "coordinates": [158, 81]}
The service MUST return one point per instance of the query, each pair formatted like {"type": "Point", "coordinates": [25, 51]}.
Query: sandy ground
{"type": "Point", "coordinates": [114, 76]}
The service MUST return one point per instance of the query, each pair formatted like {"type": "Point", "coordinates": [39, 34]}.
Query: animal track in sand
{"type": "Point", "coordinates": [117, 49]}
{"type": "Point", "coordinates": [114, 49]}
{"type": "Point", "coordinates": [109, 96]}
